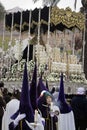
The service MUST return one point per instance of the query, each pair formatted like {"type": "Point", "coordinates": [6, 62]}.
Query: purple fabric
{"type": "Point", "coordinates": [33, 89]}
{"type": "Point", "coordinates": [25, 103]}
{"type": "Point", "coordinates": [40, 87]}
{"type": "Point", "coordinates": [63, 106]}
{"type": "Point", "coordinates": [11, 126]}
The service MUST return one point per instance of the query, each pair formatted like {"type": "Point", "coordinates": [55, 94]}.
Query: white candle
{"type": "Point", "coordinates": [51, 106]}
{"type": "Point", "coordinates": [36, 116]}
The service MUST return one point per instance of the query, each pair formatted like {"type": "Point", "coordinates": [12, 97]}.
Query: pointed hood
{"type": "Point", "coordinates": [63, 106]}
{"type": "Point", "coordinates": [25, 103]}
{"type": "Point", "coordinates": [33, 88]}
{"type": "Point", "coordinates": [40, 87]}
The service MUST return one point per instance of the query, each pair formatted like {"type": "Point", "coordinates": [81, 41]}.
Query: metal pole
{"type": "Point", "coordinates": [39, 26]}
{"type": "Point", "coordinates": [3, 39]}
{"type": "Point", "coordinates": [48, 37]}
{"type": "Point", "coordinates": [39, 18]}
{"type": "Point", "coordinates": [3, 42]}
{"type": "Point", "coordinates": [83, 45]}
{"type": "Point", "coordinates": [48, 26]}
{"type": "Point", "coordinates": [29, 36]}
{"type": "Point", "coordinates": [10, 43]}
{"type": "Point", "coordinates": [73, 42]}
{"type": "Point", "coordinates": [20, 40]}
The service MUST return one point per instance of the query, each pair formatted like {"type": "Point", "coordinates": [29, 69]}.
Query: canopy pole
{"type": "Point", "coordinates": [3, 43]}
{"type": "Point", "coordinates": [73, 43]}
{"type": "Point", "coordinates": [11, 37]}
{"type": "Point", "coordinates": [29, 36]}
{"type": "Point", "coordinates": [12, 27]}
{"type": "Point", "coordinates": [3, 38]}
{"type": "Point", "coordinates": [48, 37]}
{"type": "Point", "coordinates": [20, 26]}
{"type": "Point", "coordinates": [83, 52]}
{"type": "Point", "coordinates": [48, 26]}
{"type": "Point", "coordinates": [39, 26]}
{"type": "Point", "coordinates": [19, 56]}
{"type": "Point", "coordinates": [38, 38]}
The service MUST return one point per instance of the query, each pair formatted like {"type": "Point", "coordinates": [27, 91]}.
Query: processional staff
{"type": "Point", "coordinates": [20, 125]}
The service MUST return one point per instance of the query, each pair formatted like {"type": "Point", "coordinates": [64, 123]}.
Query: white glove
{"type": "Point", "coordinates": [18, 118]}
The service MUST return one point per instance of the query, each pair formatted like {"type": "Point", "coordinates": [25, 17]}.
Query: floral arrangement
{"type": "Point", "coordinates": [30, 65]}
{"type": "Point", "coordinates": [15, 73]}
{"type": "Point", "coordinates": [55, 77]}
{"type": "Point", "coordinates": [77, 78]}
{"type": "Point", "coordinates": [41, 68]}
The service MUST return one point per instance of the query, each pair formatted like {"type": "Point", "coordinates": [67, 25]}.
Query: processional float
{"type": "Point", "coordinates": [57, 37]}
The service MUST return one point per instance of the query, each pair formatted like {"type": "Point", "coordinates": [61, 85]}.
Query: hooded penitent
{"type": "Point", "coordinates": [25, 103]}
{"type": "Point", "coordinates": [66, 117]}
{"type": "Point", "coordinates": [64, 107]}
{"type": "Point", "coordinates": [33, 89]}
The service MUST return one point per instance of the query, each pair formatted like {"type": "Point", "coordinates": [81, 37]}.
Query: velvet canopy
{"type": "Point", "coordinates": [59, 19]}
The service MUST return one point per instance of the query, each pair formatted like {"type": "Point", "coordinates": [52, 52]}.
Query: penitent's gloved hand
{"type": "Point", "coordinates": [18, 118]}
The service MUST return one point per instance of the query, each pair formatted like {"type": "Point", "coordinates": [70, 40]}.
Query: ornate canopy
{"type": "Point", "coordinates": [59, 19]}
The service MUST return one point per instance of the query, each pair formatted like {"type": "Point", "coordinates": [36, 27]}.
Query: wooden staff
{"type": "Point", "coordinates": [20, 125]}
